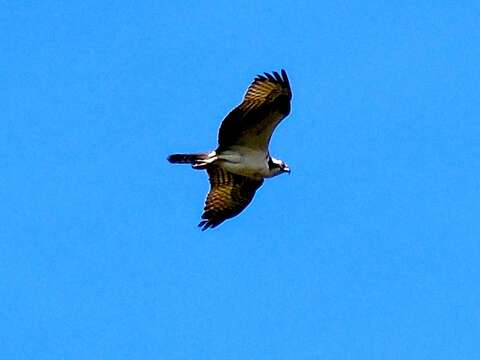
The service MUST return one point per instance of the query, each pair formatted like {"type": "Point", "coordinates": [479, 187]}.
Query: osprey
{"type": "Point", "coordinates": [237, 167]}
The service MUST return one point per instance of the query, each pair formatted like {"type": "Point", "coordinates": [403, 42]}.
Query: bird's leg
{"type": "Point", "coordinates": [202, 164]}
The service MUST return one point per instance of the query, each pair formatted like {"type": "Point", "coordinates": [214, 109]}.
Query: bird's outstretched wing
{"type": "Point", "coordinates": [265, 104]}
{"type": "Point", "coordinates": [229, 194]}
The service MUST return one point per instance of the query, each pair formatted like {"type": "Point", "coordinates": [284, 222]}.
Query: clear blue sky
{"type": "Point", "coordinates": [369, 250]}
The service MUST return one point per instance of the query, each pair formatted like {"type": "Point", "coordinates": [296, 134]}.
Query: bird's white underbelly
{"type": "Point", "coordinates": [245, 162]}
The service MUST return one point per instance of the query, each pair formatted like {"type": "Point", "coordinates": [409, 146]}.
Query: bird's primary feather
{"type": "Point", "coordinates": [229, 194]}
{"type": "Point", "coordinates": [265, 104]}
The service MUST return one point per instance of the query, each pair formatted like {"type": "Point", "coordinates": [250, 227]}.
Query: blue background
{"type": "Point", "coordinates": [369, 250]}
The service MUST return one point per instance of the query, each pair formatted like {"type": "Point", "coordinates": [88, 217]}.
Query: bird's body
{"type": "Point", "coordinates": [241, 161]}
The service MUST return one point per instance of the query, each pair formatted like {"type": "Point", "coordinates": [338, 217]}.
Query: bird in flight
{"type": "Point", "coordinates": [240, 163]}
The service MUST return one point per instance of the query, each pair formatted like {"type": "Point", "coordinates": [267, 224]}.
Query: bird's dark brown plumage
{"type": "Point", "coordinates": [229, 194]}
{"type": "Point", "coordinates": [265, 104]}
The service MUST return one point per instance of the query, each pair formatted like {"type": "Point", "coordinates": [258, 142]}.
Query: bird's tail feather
{"type": "Point", "coordinates": [187, 158]}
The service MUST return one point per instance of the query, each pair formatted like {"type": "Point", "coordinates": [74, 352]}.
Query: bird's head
{"type": "Point", "coordinates": [277, 167]}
